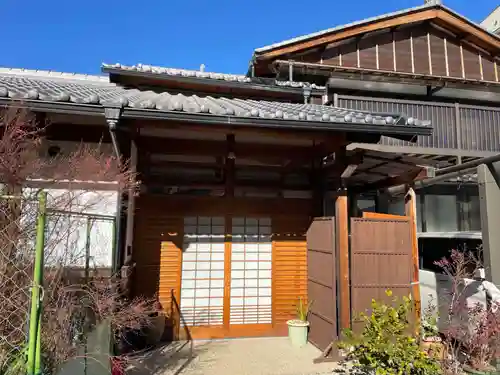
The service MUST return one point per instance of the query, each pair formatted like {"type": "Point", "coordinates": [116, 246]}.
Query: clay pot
{"type": "Point", "coordinates": [433, 346]}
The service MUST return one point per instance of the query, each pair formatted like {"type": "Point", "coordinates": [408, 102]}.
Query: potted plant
{"type": "Point", "coordinates": [431, 341]}
{"type": "Point", "coordinates": [298, 328]}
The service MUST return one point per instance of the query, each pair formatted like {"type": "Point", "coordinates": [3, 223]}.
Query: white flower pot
{"type": "Point", "coordinates": [297, 332]}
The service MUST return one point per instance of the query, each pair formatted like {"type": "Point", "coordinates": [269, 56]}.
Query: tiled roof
{"type": "Point", "coordinates": [361, 22]}
{"type": "Point", "coordinates": [178, 72]}
{"type": "Point", "coordinates": [172, 72]}
{"type": "Point", "coordinates": [65, 90]}
{"type": "Point", "coordinates": [50, 74]}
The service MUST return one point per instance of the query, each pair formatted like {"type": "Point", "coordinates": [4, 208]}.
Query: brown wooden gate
{"type": "Point", "coordinates": [321, 266]}
{"type": "Point", "coordinates": [381, 259]}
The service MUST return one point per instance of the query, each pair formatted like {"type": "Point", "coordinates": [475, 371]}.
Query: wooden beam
{"type": "Point", "coordinates": [417, 173]}
{"type": "Point", "coordinates": [184, 183]}
{"type": "Point", "coordinates": [342, 252]}
{"type": "Point", "coordinates": [351, 32]}
{"type": "Point", "coordinates": [446, 18]}
{"type": "Point", "coordinates": [255, 151]}
{"type": "Point", "coordinates": [411, 212]}
{"type": "Point", "coordinates": [288, 168]}
{"type": "Point", "coordinates": [468, 28]}
{"type": "Point", "coordinates": [129, 237]}
{"type": "Point", "coordinates": [238, 131]}
{"type": "Point", "coordinates": [229, 170]}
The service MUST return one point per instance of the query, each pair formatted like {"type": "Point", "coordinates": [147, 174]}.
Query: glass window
{"type": "Point", "coordinates": [441, 214]}
{"type": "Point", "coordinates": [397, 207]}
{"type": "Point", "coordinates": [420, 215]}
{"type": "Point", "coordinates": [366, 204]}
{"type": "Point", "coordinates": [470, 211]}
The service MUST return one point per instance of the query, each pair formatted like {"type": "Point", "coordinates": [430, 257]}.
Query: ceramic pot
{"type": "Point", "coordinates": [297, 332]}
{"type": "Point", "coordinates": [433, 346]}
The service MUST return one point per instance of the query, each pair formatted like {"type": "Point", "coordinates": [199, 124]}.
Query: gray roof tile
{"type": "Point", "coordinates": [172, 72]}
{"type": "Point", "coordinates": [34, 88]}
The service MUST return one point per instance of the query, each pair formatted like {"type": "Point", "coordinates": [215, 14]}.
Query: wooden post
{"type": "Point", "coordinates": [129, 232]}
{"type": "Point", "coordinates": [342, 250]}
{"type": "Point", "coordinates": [411, 212]}
{"type": "Point", "coordinates": [229, 180]}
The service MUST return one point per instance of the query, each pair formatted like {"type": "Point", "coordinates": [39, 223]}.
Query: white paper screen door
{"type": "Point", "coordinates": [202, 284]}
{"type": "Point", "coordinates": [203, 271]}
{"type": "Point", "coordinates": [251, 251]}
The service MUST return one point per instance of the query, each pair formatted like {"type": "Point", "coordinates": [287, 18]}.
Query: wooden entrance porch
{"type": "Point", "coordinates": [220, 225]}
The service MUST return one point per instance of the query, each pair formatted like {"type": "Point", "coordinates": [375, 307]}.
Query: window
{"type": "Point", "coordinates": [397, 207]}
{"type": "Point", "coordinates": [470, 219]}
{"type": "Point", "coordinates": [441, 213]}
{"type": "Point", "coordinates": [366, 204]}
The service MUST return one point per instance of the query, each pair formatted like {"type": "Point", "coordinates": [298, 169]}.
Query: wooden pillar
{"type": "Point", "coordinates": [229, 180]}
{"type": "Point", "coordinates": [342, 254]}
{"type": "Point", "coordinates": [129, 231]}
{"type": "Point", "coordinates": [411, 212]}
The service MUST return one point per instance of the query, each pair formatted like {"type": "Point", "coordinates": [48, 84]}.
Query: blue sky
{"type": "Point", "coordinates": [76, 36]}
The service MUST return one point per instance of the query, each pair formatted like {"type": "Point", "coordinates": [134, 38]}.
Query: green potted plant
{"type": "Point", "coordinates": [298, 328]}
{"type": "Point", "coordinates": [431, 341]}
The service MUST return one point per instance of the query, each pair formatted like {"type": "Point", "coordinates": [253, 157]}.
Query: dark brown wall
{"type": "Point", "coordinates": [422, 49]}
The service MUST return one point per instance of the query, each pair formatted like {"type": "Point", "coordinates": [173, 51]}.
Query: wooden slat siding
{"type": "Point", "coordinates": [368, 53]}
{"type": "Point", "coordinates": [471, 63]}
{"type": "Point", "coordinates": [403, 50]}
{"type": "Point", "coordinates": [438, 55]}
{"type": "Point", "coordinates": [350, 32]}
{"type": "Point", "coordinates": [289, 268]}
{"type": "Point", "coordinates": [312, 57]}
{"type": "Point", "coordinates": [157, 241]}
{"type": "Point", "coordinates": [385, 55]}
{"type": "Point", "coordinates": [349, 55]}
{"type": "Point", "coordinates": [454, 59]}
{"type": "Point", "coordinates": [488, 68]}
{"type": "Point", "coordinates": [322, 282]}
{"type": "Point", "coordinates": [330, 56]}
{"type": "Point", "coordinates": [381, 258]}
{"type": "Point", "coordinates": [420, 51]}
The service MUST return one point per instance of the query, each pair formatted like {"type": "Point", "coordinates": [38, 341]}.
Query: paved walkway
{"type": "Point", "coordinates": [260, 356]}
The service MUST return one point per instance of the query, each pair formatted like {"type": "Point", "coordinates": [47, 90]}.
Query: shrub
{"type": "Point", "coordinates": [385, 346]}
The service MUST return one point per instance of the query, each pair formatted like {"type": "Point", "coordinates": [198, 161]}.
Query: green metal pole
{"type": "Point", "coordinates": [38, 349]}
{"type": "Point", "coordinates": [34, 334]}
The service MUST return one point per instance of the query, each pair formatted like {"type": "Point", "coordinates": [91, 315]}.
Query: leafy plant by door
{"type": "Point", "coordinates": [385, 346]}
{"type": "Point", "coordinates": [303, 309]}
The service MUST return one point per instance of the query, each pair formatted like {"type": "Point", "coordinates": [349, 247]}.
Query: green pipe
{"type": "Point", "coordinates": [35, 313]}
{"type": "Point", "coordinates": [38, 350]}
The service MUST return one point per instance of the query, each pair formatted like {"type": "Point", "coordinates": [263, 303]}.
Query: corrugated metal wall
{"type": "Point", "coordinates": [480, 128]}
{"type": "Point", "coordinates": [477, 128]}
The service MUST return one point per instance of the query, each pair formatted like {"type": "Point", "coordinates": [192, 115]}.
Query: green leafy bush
{"type": "Point", "coordinates": [386, 345]}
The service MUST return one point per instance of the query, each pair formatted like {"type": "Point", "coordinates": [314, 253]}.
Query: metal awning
{"type": "Point", "coordinates": [378, 169]}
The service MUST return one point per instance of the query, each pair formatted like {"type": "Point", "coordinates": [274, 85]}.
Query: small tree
{"type": "Point", "coordinates": [472, 330]}
{"type": "Point", "coordinates": [72, 299]}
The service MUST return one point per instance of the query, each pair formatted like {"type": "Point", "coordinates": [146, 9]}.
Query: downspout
{"type": "Point", "coordinates": [113, 115]}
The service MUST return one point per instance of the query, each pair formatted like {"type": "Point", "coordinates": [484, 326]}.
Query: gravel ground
{"type": "Point", "coordinates": [260, 356]}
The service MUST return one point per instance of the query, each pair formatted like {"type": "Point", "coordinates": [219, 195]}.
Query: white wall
{"type": "Point", "coordinates": [68, 213]}
{"type": "Point", "coordinates": [436, 288]}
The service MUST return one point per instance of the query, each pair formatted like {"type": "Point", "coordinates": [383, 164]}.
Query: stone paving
{"type": "Point", "coordinates": [259, 356]}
